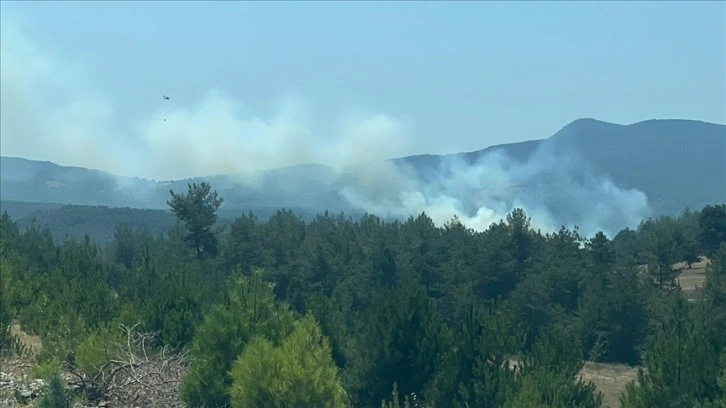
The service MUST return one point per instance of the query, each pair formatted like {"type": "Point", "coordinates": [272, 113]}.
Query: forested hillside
{"type": "Point", "coordinates": [76, 221]}
{"type": "Point", "coordinates": [338, 312]}
{"type": "Point", "coordinates": [563, 174]}
{"type": "Point", "coordinates": [100, 222]}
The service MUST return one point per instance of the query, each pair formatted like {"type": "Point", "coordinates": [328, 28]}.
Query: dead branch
{"type": "Point", "coordinates": [137, 375]}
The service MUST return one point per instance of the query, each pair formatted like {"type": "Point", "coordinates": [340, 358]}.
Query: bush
{"type": "Point", "coordinates": [299, 373]}
{"type": "Point", "coordinates": [46, 369]}
{"type": "Point", "coordinates": [97, 349]}
{"type": "Point", "coordinates": [56, 395]}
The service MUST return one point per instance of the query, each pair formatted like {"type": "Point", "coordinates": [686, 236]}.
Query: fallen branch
{"type": "Point", "coordinates": [137, 376]}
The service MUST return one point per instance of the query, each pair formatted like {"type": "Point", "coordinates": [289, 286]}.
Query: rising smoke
{"type": "Point", "coordinates": [555, 186]}
{"type": "Point", "coordinates": [50, 111]}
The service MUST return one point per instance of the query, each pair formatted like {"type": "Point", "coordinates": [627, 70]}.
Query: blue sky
{"type": "Point", "coordinates": [458, 76]}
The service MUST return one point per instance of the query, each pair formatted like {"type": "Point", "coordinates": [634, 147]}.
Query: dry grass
{"type": "Point", "coordinates": [33, 343]}
{"type": "Point", "coordinates": [692, 279]}
{"type": "Point", "coordinates": [610, 380]}
{"type": "Point", "coordinates": [18, 366]}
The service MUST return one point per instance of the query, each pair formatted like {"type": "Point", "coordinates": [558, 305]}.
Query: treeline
{"type": "Point", "coordinates": [98, 222]}
{"type": "Point", "coordinates": [340, 312]}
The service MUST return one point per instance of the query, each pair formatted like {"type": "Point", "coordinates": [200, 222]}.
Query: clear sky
{"type": "Point", "coordinates": [460, 76]}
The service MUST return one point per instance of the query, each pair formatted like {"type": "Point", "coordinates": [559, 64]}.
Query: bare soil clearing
{"type": "Point", "coordinates": [692, 279]}
{"type": "Point", "coordinates": [609, 379]}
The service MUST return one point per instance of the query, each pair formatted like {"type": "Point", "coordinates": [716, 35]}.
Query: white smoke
{"type": "Point", "coordinates": [554, 186]}
{"type": "Point", "coordinates": [50, 111]}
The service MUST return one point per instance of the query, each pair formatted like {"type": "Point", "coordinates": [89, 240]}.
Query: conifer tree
{"type": "Point", "coordinates": [300, 372]}
{"type": "Point", "coordinates": [198, 210]}
{"type": "Point", "coordinates": [247, 310]}
{"type": "Point", "coordinates": [682, 364]}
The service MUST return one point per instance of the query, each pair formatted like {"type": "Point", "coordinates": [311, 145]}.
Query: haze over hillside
{"type": "Point", "coordinates": [316, 129]}
{"type": "Point", "coordinates": [597, 175]}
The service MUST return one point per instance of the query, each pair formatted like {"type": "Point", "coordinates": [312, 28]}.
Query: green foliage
{"type": "Point", "coordinates": [719, 401]}
{"type": "Point", "coordinates": [548, 374]}
{"type": "Point", "coordinates": [661, 242]}
{"type": "Point", "coordinates": [128, 245]}
{"type": "Point", "coordinates": [6, 311]}
{"type": "Point", "coordinates": [681, 366]}
{"type": "Point", "coordinates": [198, 210]}
{"type": "Point", "coordinates": [602, 253]}
{"type": "Point", "coordinates": [714, 290]}
{"type": "Point", "coordinates": [535, 305]}
{"type": "Point", "coordinates": [395, 401]}
{"type": "Point", "coordinates": [56, 395]}
{"type": "Point", "coordinates": [556, 350]}
{"type": "Point", "coordinates": [98, 348]}
{"type": "Point", "coordinates": [712, 228]}
{"type": "Point", "coordinates": [299, 372]}
{"type": "Point", "coordinates": [62, 339]}
{"type": "Point", "coordinates": [247, 310]}
{"type": "Point", "coordinates": [98, 222]}
{"type": "Point", "coordinates": [544, 389]}
{"type": "Point", "coordinates": [484, 350]}
{"type": "Point", "coordinates": [613, 316]}
{"type": "Point", "coordinates": [330, 317]}
{"type": "Point", "coordinates": [242, 248]}
{"type": "Point", "coordinates": [626, 247]}
{"type": "Point", "coordinates": [408, 342]}
{"type": "Point", "coordinates": [46, 369]}
{"type": "Point", "coordinates": [439, 313]}
{"type": "Point", "coordinates": [690, 247]}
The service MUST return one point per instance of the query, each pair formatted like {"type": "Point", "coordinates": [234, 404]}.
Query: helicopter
{"type": "Point", "coordinates": [166, 98]}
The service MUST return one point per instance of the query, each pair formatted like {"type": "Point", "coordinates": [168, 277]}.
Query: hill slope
{"type": "Point", "coordinates": [676, 163]}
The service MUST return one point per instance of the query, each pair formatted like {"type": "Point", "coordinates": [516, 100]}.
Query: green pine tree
{"type": "Point", "coordinates": [248, 310]}
{"type": "Point", "coordinates": [300, 372]}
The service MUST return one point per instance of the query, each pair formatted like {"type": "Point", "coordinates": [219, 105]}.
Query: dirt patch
{"type": "Point", "coordinates": [609, 379]}
{"type": "Point", "coordinates": [16, 369]}
{"type": "Point", "coordinates": [13, 371]}
{"type": "Point", "coordinates": [692, 279]}
{"type": "Point", "coordinates": [702, 263]}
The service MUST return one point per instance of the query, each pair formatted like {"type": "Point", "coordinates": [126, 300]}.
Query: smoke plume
{"type": "Point", "coordinates": [555, 187]}
{"type": "Point", "coordinates": [51, 111]}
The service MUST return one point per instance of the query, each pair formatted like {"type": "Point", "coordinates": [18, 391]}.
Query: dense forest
{"type": "Point", "coordinates": [337, 312]}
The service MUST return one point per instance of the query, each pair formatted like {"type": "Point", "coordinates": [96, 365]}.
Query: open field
{"type": "Point", "coordinates": [610, 380]}
{"type": "Point", "coordinates": [692, 279]}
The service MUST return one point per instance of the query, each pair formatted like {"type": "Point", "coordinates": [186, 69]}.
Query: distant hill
{"type": "Point", "coordinates": [676, 163]}
{"type": "Point", "coordinates": [100, 222]}
{"type": "Point", "coordinates": [97, 221]}
{"type": "Point", "coordinates": [46, 182]}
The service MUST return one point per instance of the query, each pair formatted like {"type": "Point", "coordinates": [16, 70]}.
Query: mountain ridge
{"type": "Point", "coordinates": [677, 163]}
{"type": "Point", "coordinates": [577, 123]}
